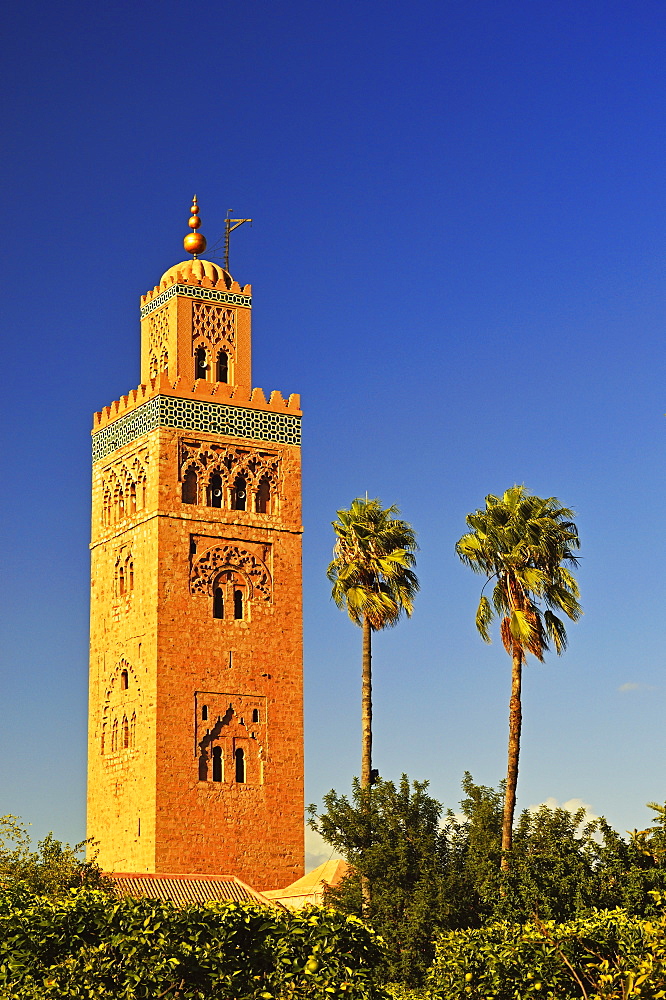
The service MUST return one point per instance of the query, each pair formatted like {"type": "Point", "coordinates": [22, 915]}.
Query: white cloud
{"type": "Point", "coordinates": [317, 851]}
{"type": "Point", "coordinates": [633, 686]}
{"type": "Point", "coordinates": [571, 805]}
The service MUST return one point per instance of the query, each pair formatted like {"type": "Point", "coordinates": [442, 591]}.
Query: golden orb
{"type": "Point", "coordinates": [194, 222]}
{"type": "Point", "coordinates": [194, 243]}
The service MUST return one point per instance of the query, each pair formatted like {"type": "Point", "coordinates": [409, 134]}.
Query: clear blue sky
{"type": "Point", "coordinates": [457, 259]}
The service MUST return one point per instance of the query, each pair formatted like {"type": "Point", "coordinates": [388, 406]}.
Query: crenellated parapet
{"type": "Point", "coordinates": [196, 279]}
{"type": "Point", "coordinates": [206, 407]}
{"type": "Point", "coordinates": [218, 392]}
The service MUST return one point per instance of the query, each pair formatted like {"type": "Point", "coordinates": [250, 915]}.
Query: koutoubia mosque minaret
{"type": "Point", "coordinates": [195, 730]}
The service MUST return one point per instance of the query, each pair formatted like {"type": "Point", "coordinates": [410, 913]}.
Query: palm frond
{"type": "Point", "coordinates": [556, 631]}
{"type": "Point", "coordinates": [372, 569]}
{"type": "Point", "coordinates": [528, 543]}
{"type": "Point", "coordinates": [484, 616]}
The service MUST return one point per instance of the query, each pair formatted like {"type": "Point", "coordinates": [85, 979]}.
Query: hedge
{"type": "Point", "coordinates": [606, 956]}
{"type": "Point", "coordinates": [91, 946]}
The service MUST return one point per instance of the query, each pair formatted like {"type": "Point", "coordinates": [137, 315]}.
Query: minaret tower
{"type": "Point", "coordinates": [195, 731]}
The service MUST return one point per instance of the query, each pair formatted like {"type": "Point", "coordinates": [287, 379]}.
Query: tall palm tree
{"type": "Point", "coordinates": [373, 580]}
{"type": "Point", "coordinates": [523, 543]}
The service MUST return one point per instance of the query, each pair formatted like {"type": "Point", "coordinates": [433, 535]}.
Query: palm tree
{"type": "Point", "coordinates": [373, 580]}
{"type": "Point", "coordinates": [523, 542]}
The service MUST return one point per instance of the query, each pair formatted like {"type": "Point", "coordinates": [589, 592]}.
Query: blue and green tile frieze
{"type": "Point", "coordinates": [195, 292]}
{"type": "Point", "coordinates": [196, 415]}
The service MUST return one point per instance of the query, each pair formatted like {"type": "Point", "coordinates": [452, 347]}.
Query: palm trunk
{"type": "Point", "coordinates": [366, 746]}
{"type": "Point", "coordinates": [366, 706]}
{"type": "Point", "coordinates": [515, 722]}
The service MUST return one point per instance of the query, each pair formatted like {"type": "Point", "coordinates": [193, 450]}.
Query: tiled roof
{"type": "Point", "coordinates": [187, 889]}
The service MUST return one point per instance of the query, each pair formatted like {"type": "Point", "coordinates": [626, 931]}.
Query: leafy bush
{"type": "Point", "coordinates": [53, 869]}
{"type": "Point", "coordinates": [90, 947]}
{"type": "Point", "coordinates": [607, 956]}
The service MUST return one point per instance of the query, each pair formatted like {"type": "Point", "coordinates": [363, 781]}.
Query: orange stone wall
{"type": "Point", "coordinates": [190, 685]}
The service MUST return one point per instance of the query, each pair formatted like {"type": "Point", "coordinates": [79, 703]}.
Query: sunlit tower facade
{"type": "Point", "coordinates": [195, 719]}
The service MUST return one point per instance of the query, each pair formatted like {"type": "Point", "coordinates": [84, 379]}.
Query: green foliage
{"type": "Point", "coordinates": [52, 870]}
{"type": "Point", "coordinates": [371, 571]}
{"type": "Point", "coordinates": [392, 837]}
{"type": "Point", "coordinates": [89, 945]}
{"type": "Point", "coordinates": [561, 864]}
{"type": "Point", "coordinates": [606, 956]}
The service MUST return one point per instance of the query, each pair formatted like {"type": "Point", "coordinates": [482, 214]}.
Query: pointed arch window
{"type": "Point", "coordinates": [239, 756]}
{"type": "Point", "coordinates": [200, 363]}
{"type": "Point", "coordinates": [222, 367]}
{"type": "Point", "coordinates": [190, 486]}
{"type": "Point", "coordinates": [262, 500]}
{"type": "Point", "coordinates": [239, 494]}
{"type": "Point", "coordinates": [215, 491]}
{"type": "Point", "coordinates": [124, 680]}
{"type": "Point", "coordinates": [130, 575]}
{"type": "Point", "coordinates": [125, 733]}
{"type": "Point", "coordinates": [218, 603]}
{"type": "Point", "coordinates": [133, 730]}
{"type": "Point", "coordinates": [132, 498]}
{"type": "Point", "coordinates": [114, 736]}
{"type": "Point", "coordinates": [121, 580]}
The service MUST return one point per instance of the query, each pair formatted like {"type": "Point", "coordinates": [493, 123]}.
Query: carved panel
{"type": "Point", "coordinates": [158, 349]}
{"type": "Point", "coordinates": [234, 556]}
{"type": "Point", "coordinates": [214, 324]}
{"type": "Point", "coordinates": [122, 708]}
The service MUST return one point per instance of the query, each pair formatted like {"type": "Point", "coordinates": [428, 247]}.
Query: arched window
{"type": "Point", "coordinates": [239, 755]}
{"type": "Point", "coordinates": [222, 367]}
{"type": "Point", "coordinates": [130, 575]}
{"type": "Point", "coordinates": [203, 766]}
{"type": "Point", "coordinates": [141, 500]}
{"type": "Point", "coordinates": [239, 494]}
{"type": "Point", "coordinates": [106, 508]}
{"type": "Point", "coordinates": [215, 491]}
{"type": "Point", "coordinates": [217, 763]}
{"type": "Point", "coordinates": [238, 604]}
{"type": "Point", "coordinates": [124, 680]}
{"type": "Point", "coordinates": [190, 486]}
{"type": "Point", "coordinates": [133, 730]}
{"type": "Point", "coordinates": [125, 733]}
{"type": "Point", "coordinates": [218, 603]}
{"type": "Point", "coordinates": [121, 580]}
{"type": "Point", "coordinates": [121, 504]}
{"type": "Point", "coordinates": [255, 715]}
{"type": "Point", "coordinates": [132, 498]}
{"type": "Point", "coordinates": [200, 363]}
{"type": "Point", "coordinates": [114, 736]}
{"type": "Point", "coordinates": [262, 500]}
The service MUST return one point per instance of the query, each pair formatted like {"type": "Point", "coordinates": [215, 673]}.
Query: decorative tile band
{"type": "Point", "coordinates": [195, 292]}
{"type": "Point", "coordinates": [196, 415]}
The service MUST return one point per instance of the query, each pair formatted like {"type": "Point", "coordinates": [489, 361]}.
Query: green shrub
{"type": "Point", "coordinates": [89, 946]}
{"type": "Point", "coordinates": [607, 956]}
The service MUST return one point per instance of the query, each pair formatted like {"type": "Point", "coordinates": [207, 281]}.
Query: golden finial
{"type": "Point", "coordinates": [194, 242]}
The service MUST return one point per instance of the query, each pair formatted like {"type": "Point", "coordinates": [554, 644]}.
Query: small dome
{"type": "Point", "coordinates": [199, 269]}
